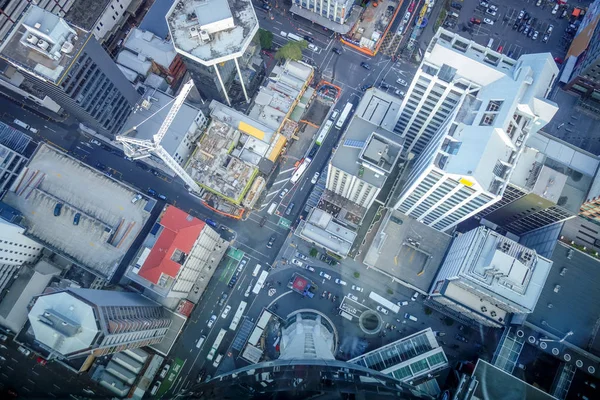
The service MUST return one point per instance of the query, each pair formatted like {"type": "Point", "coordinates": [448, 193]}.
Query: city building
{"type": "Point", "coordinates": [150, 59]}
{"type": "Point", "coordinates": [590, 209]}
{"type": "Point", "coordinates": [549, 183]}
{"type": "Point", "coordinates": [213, 36]}
{"type": "Point", "coordinates": [77, 211]}
{"type": "Point", "coordinates": [486, 106]}
{"type": "Point", "coordinates": [368, 150]}
{"type": "Point", "coordinates": [101, 17]}
{"type": "Point", "coordinates": [409, 359]}
{"type": "Point", "coordinates": [307, 368]}
{"type": "Point", "coordinates": [406, 251]}
{"type": "Point", "coordinates": [582, 68]}
{"type": "Point", "coordinates": [325, 231]}
{"type": "Point", "coordinates": [76, 323]}
{"type": "Point", "coordinates": [14, 151]}
{"type": "Point", "coordinates": [16, 249]}
{"type": "Point", "coordinates": [231, 153]}
{"type": "Point", "coordinates": [179, 255]}
{"type": "Point", "coordinates": [321, 12]}
{"type": "Point", "coordinates": [64, 68]}
{"type": "Point", "coordinates": [180, 139]}
{"type": "Point", "coordinates": [487, 278]}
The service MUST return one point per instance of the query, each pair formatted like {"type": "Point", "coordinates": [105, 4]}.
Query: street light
{"type": "Point", "coordinates": [558, 341]}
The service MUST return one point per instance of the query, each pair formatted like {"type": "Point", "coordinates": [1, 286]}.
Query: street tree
{"type": "Point", "coordinates": [291, 51]}
{"type": "Point", "coordinates": [266, 38]}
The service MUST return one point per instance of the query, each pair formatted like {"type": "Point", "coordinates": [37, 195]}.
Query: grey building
{"type": "Point", "coordinates": [52, 58]}
{"type": "Point", "coordinates": [13, 146]}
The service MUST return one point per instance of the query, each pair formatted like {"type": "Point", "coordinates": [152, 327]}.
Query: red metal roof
{"type": "Point", "coordinates": [180, 231]}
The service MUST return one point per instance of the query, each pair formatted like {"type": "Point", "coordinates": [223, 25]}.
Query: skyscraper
{"type": "Point", "coordinates": [56, 59]}
{"type": "Point", "coordinates": [468, 113]}
{"type": "Point", "coordinates": [212, 36]}
{"type": "Point", "coordinates": [84, 322]}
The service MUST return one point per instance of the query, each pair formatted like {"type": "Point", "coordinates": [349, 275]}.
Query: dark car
{"type": "Point", "coordinates": [57, 209]}
{"type": "Point", "coordinates": [384, 85]}
{"type": "Point", "coordinates": [232, 281]}
{"type": "Point", "coordinates": [271, 241]}
{"type": "Point", "coordinates": [76, 219]}
{"type": "Point", "coordinates": [461, 338]}
{"type": "Point", "coordinates": [162, 197]}
{"type": "Point", "coordinates": [365, 65]}
{"type": "Point", "coordinates": [336, 50]}
{"type": "Point", "coordinates": [211, 222]}
{"type": "Point", "coordinates": [223, 299]}
{"type": "Point", "coordinates": [516, 26]}
{"type": "Point", "coordinates": [289, 209]}
{"type": "Point", "coordinates": [201, 375]}
{"type": "Point", "coordinates": [152, 192]}
{"type": "Point", "coordinates": [309, 39]}
{"type": "Point", "coordinates": [313, 151]}
{"type": "Point", "coordinates": [101, 166]}
{"type": "Point", "coordinates": [266, 7]}
{"type": "Point", "coordinates": [458, 6]}
{"type": "Point", "coordinates": [365, 87]}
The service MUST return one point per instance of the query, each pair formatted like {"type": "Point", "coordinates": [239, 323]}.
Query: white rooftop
{"type": "Point", "coordinates": [150, 46]}
{"type": "Point", "coordinates": [212, 37]}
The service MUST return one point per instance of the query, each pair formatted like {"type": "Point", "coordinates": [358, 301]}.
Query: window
{"type": "Point", "coordinates": [494, 105]}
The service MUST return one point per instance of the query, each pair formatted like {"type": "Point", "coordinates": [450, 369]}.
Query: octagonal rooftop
{"type": "Point", "coordinates": [229, 24]}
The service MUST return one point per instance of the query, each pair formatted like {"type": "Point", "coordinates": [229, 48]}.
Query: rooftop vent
{"type": "Point", "coordinates": [194, 31]}
{"type": "Point", "coordinates": [42, 44]}
{"type": "Point", "coordinates": [204, 36]}
{"type": "Point", "coordinates": [67, 47]}
{"type": "Point", "coordinates": [32, 39]}
{"type": "Point", "coordinates": [37, 25]}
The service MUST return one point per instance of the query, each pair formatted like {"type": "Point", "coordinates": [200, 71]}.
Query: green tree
{"type": "Point", "coordinates": [266, 38]}
{"type": "Point", "coordinates": [448, 321]}
{"type": "Point", "coordinates": [313, 252]}
{"type": "Point", "coordinates": [357, 274]}
{"type": "Point", "coordinates": [291, 51]}
{"type": "Point", "coordinates": [390, 291]}
{"type": "Point", "coordinates": [428, 311]}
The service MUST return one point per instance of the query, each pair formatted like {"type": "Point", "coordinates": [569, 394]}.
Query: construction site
{"type": "Point", "coordinates": [373, 25]}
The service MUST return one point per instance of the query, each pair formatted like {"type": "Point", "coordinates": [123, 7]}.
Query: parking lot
{"type": "Point", "coordinates": [505, 25]}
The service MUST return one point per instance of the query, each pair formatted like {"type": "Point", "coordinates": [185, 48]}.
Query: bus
{"type": "Point", "coordinates": [261, 281]}
{"type": "Point", "coordinates": [238, 316]}
{"type": "Point", "coordinates": [324, 131]}
{"type": "Point", "coordinates": [300, 170]}
{"type": "Point", "coordinates": [384, 302]}
{"type": "Point", "coordinates": [294, 37]}
{"type": "Point", "coordinates": [342, 118]}
{"type": "Point", "coordinates": [216, 345]}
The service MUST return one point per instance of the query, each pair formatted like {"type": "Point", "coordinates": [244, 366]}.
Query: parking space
{"type": "Point", "coordinates": [513, 32]}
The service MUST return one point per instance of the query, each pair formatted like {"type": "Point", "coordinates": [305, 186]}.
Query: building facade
{"type": "Point", "coordinates": [487, 277]}
{"type": "Point", "coordinates": [51, 58]}
{"type": "Point", "coordinates": [85, 322]}
{"type": "Point", "coordinates": [467, 162]}
{"type": "Point", "coordinates": [334, 10]}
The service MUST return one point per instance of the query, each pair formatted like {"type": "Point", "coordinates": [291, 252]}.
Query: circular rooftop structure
{"type": "Point", "coordinates": [308, 334]}
{"type": "Point", "coordinates": [370, 322]}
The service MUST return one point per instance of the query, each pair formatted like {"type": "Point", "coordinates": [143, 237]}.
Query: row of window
{"type": "Point", "coordinates": [20, 245]}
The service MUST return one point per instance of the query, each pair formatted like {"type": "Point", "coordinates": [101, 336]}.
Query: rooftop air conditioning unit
{"type": "Point", "coordinates": [32, 39]}
{"type": "Point", "coordinates": [204, 36]}
{"type": "Point", "coordinates": [42, 44]}
{"type": "Point", "coordinates": [67, 47]}
{"type": "Point", "coordinates": [37, 25]}
{"type": "Point", "coordinates": [194, 31]}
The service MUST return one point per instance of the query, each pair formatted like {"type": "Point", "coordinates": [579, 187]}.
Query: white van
{"type": "Point", "coordinates": [272, 208]}
{"type": "Point", "coordinates": [284, 34]}
{"type": "Point", "coordinates": [490, 43]}
{"type": "Point", "coordinates": [256, 270]}
{"type": "Point", "coordinates": [21, 124]}
{"type": "Point", "coordinates": [155, 388]}
{"type": "Point", "coordinates": [200, 341]}
{"type": "Point", "coordinates": [334, 115]}
{"type": "Point", "coordinates": [217, 360]}
{"type": "Point", "coordinates": [411, 317]}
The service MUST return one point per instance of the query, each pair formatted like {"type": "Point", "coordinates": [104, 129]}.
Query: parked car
{"type": "Point", "coordinates": [324, 294]}
{"type": "Point", "coordinates": [365, 65]}
{"type": "Point", "coordinates": [76, 219]}
{"type": "Point", "coordinates": [382, 310]}
{"type": "Point", "coordinates": [475, 21]}
{"type": "Point", "coordinates": [315, 178]}
{"type": "Point", "coordinates": [165, 370]}
{"type": "Point", "coordinates": [201, 375]}
{"type": "Point", "coordinates": [461, 338]}
{"type": "Point", "coordinates": [211, 222]}
{"type": "Point", "coordinates": [271, 241]}
{"type": "Point", "coordinates": [357, 288]}
{"type": "Point", "coordinates": [493, 7]}
{"type": "Point", "coordinates": [3, 338]}
{"type": "Point", "coordinates": [301, 256]}
{"type": "Point", "coordinates": [521, 14]}
{"type": "Point", "coordinates": [308, 267]}
{"type": "Point", "coordinates": [490, 12]}
{"type": "Point", "coordinates": [384, 85]}
{"type": "Point", "coordinates": [535, 35]}
{"type": "Point", "coordinates": [152, 192]}
{"type": "Point", "coordinates": [325, 275]}
{"type": "Point", "coordinates": [155, 388]}
{"type": "Point", "coordinates": [402, 303]}
{"type": "Point", "coordinates": [352, 297]}
{"type": "Point", "coordinates": [410, 317]}
{"type": "Point", "coordinates": [309, 39]}
{"type": "Point", "coordinates": [340, 282]}
{"type": "Point", "coordinates": [555, 9]}
{"type": "Point", "coordinates": [57, 209]}
{"type": "Point", "coordinates": [526, 31]}
{"type": "Point", "coordinates": [289, 208]}
{"type": "Point", "coordinates": [515, 26]}
{"type": "Point", "coordinates": [211, 321]}
{"type": "Point", "coordinates": [545, 38]}
{"type": "Point", "coordinates": [297, 262]}
{"type": "Point", "coordinates": [336, 50]}
{"type": "Point", "coordinates": [415, 296]}
{"type": "Point", "coordinates": [401, 82]}
{"type": "Point", "coordinates": [226, 311]}
{"type": "Point", "coordinates": [550, 29]}
{"type": "Point", "coordinates": [24, 351]}
{"type": "Point", "coordinates": [136, 198]}
{"type": "Point", "coordinates": [488, 21]}
{"type": "Point", "coordinates": [283, 193]}
{"type": "Point", "coordinates": [484, 4]}
{"type": "Point", "coordinates": [458, 6]}
{"type": "Point", "coordinates": [399, 93]}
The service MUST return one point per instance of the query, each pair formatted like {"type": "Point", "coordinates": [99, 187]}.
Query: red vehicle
{"type": "Point", "coordinates": [476, 21]}
{"type": "Point", "coordinates": [411, 7]}
{"type": "Point", "coordinates": [499, 49]}
{"type": "Point", "coordinates": [41, 361]}
{"type": "Point", "coordinates": [558, 60]}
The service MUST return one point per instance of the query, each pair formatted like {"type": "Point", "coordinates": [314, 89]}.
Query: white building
{"type": "Point", "coordinates": [334, 10]}
{"type": "Point", "coordinates": [368, 150]}
{"type": "Point", "coordinates": [16, 248]}
{"type": "Point", "coordinates": [486, 277]}
{"type": "Point", "coordinates": [467, 161]}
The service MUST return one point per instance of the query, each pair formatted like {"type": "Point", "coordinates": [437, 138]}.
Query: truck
{"type": "Point", "coordinates": [25, 126]}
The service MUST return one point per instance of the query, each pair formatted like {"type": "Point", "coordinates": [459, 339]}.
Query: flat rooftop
{"type": "Point", "coordinates": [320, 227]}
{"type": "Point", "coordinates": [393, 254]}
{"type": "Point", "coordinates": [109, 222]}
{"type": "Point", "coordinates": [151, 103]}
{"type": "Point", "coordinates": [231, 25]}
{"type": "Point", "coordinates": [28, 45]}
{"type": "Point", "coordinates": [85, 13]}
{"type": "Point", "coordinates": [572, 287]}
{"type": "Point", "coordinates": [375, 117]}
